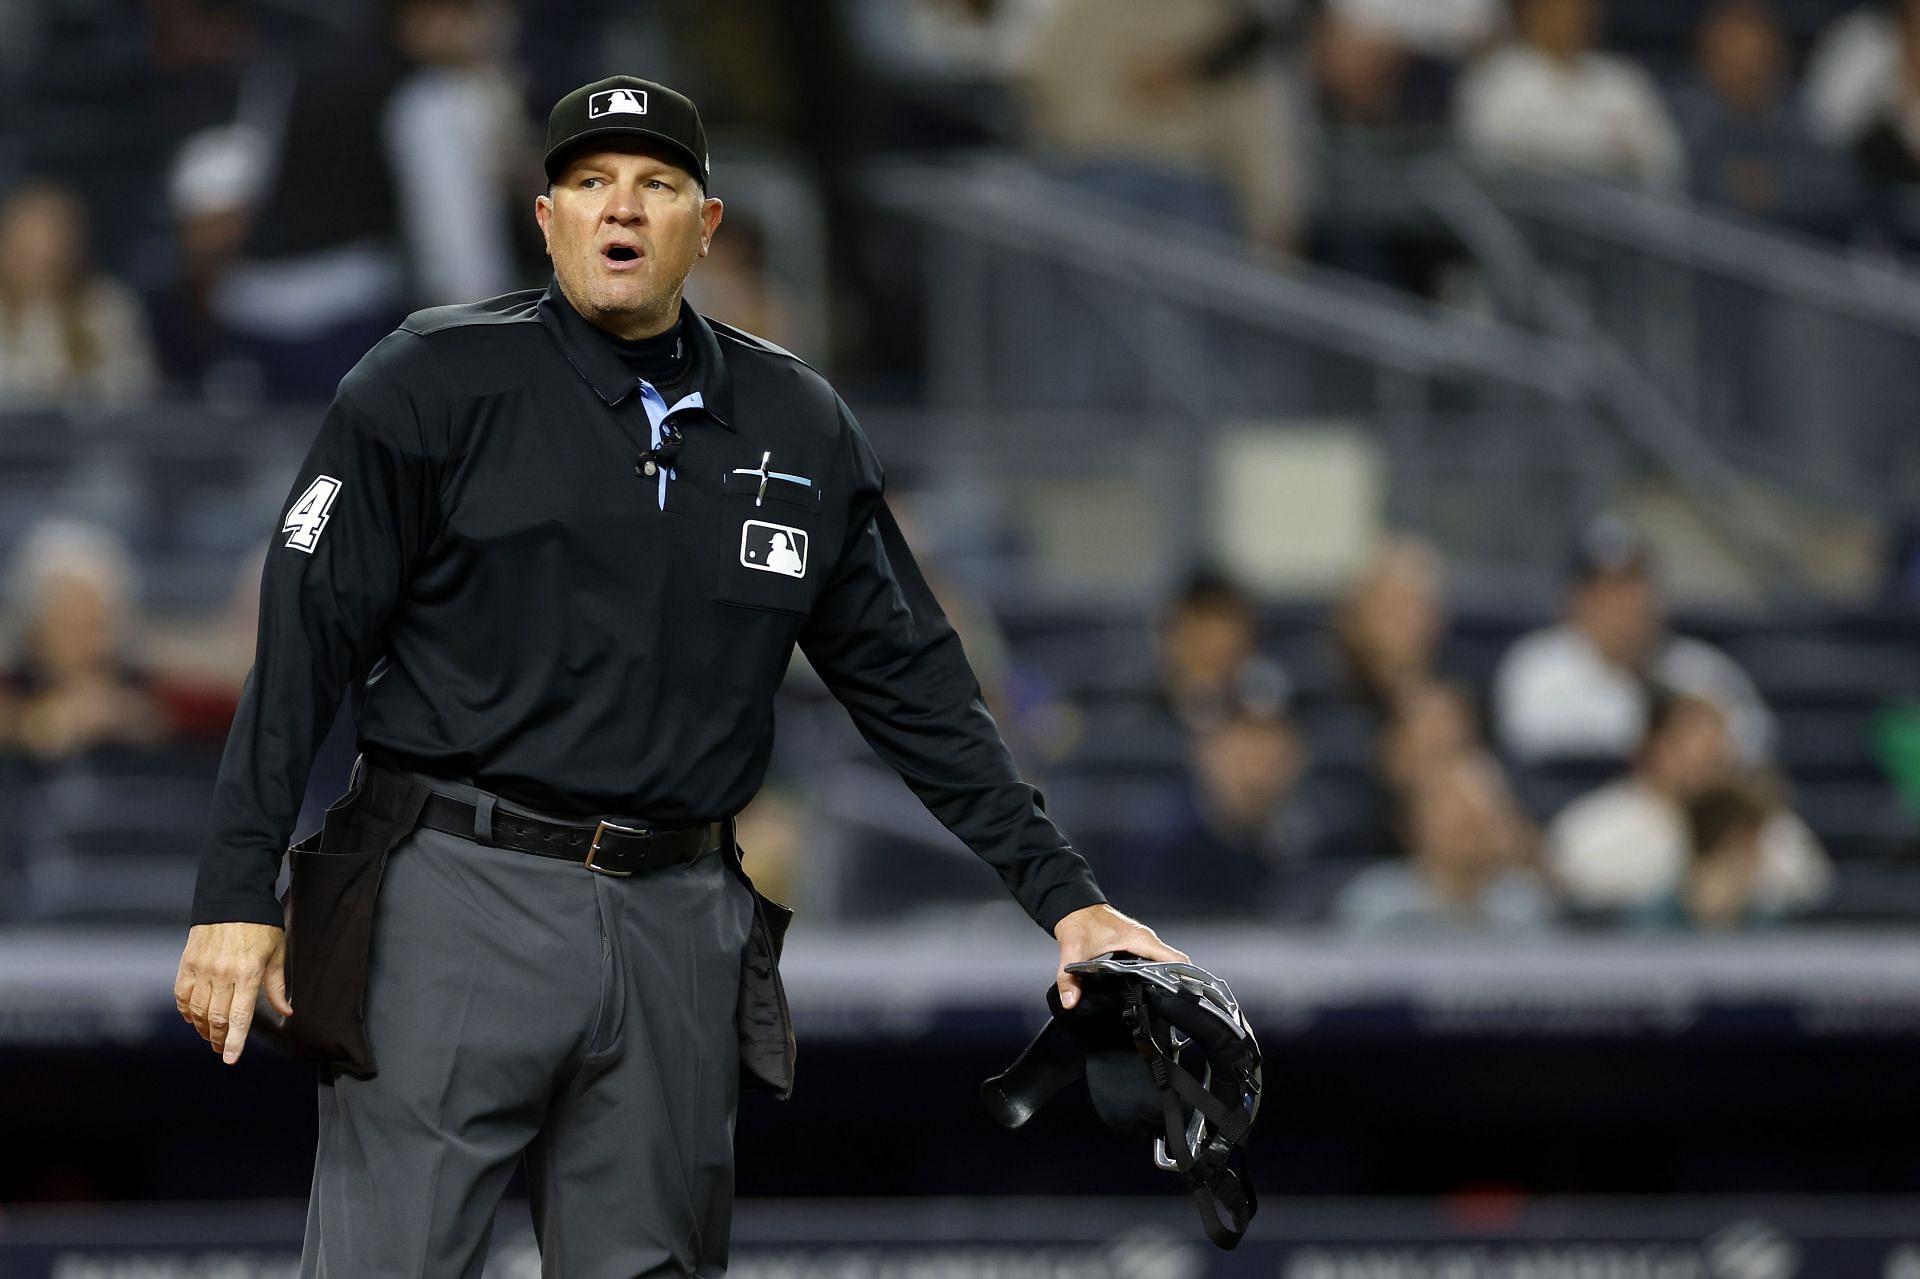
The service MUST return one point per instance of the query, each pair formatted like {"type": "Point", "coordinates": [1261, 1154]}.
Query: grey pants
{"type": "Point", "coordinates": [524, 1007]}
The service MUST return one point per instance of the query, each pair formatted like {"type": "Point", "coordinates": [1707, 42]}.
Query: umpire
{"type": "Point", "coordinates": [559, 546]}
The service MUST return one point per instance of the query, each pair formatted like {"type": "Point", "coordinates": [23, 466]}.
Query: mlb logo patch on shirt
{"type": "Point", "coordinates": [773, 548]}
{"type": "Point", "coordinates": [617, 102]}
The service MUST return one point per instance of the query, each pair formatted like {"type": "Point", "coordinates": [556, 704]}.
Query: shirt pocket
{"type": "Point", "coordinates": [767, 556]}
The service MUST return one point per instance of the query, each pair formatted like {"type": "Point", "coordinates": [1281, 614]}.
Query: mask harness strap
{"type": "Point", "coordinates": [1214, 1171]}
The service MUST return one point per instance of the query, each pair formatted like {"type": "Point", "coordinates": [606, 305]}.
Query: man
{"type": "Point", "coordinates": [526, 535]}
{"type": "Point", "coordinates": [1580, 688]}
{"type": "Point", "coordinates": [1750, 149]}
{"type": "Point", "coordinates": [1210, 663]}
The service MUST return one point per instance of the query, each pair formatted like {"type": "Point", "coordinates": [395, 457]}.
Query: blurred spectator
{"type": "Point", "coordinates": [1387, 631]}
{"type": "Point", "coordinates": [1465, 865]}
{"type": "Point", "coordinates": [1123, 99]}
{"type": "Point", "coordinates": [1580, 688]}
{"type": "Point", "coordinates": [1389, 625]}
{"type": "Point", "coordinates": [1854, 71]}
{"type": "Point", "coordinates": [1240, 831]}
{"type": "Point", "coordinates": [1625, 845]}
{"type": "Point", "coordinates": [1359, 75]}
{"type": "Point", "coordinates": [319, 279]}
{"type": "Point", "coordinates": [1449, 29]}
{"type": "Point", "coordinates": [1209, 666]}
{"type": "Point", "coordinates": [461, 148]}
{"type": "Point", "coordinates": [1384, 68]}
{"type": "Point", "coordinates": [1888, 147]}
{"type": "Point", "coordinates": [1375, 102]}
{"type": "Point", "coordinates": [1748, 148]}
{"type": "Point", "coordinates": [68, 336]}
{"type": "Point", "coordinates": [73, 688]}
{"type": "Point", "coordinates": [947, 65]}
{"type": "Point", "coordinates": [733, 286]}
{"type": "Point", "coordinates": [215, 183]}
{"type": "Point", "coordinates": [1432, 725]}
{"type": "Point", "coordinates": [1551, 100]}
{"type": "Point", "coordinates": [389, 190]}
{"type": "Point", "coordinates": [1726, 825]}
{"type": "Point", "coordinates": [1428, 726]}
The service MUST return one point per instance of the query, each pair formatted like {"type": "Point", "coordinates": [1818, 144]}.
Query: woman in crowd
{"type": "Point", "coordinates": [67, 334]}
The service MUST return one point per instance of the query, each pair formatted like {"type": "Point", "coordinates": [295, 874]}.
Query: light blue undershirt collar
{"type": "Point", "coordinates": [657, 412]}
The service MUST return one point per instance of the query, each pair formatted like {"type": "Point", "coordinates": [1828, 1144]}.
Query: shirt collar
{"type": "Point", "coordinates": [600, 366]}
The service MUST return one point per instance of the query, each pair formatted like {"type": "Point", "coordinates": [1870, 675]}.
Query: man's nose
{"type": "Point", "coordinates": [625, 207]}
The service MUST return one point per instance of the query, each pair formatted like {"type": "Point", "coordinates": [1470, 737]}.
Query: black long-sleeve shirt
{"type": "Point", "coordinates": [470, 548]}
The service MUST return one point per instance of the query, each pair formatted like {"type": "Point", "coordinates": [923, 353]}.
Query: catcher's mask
{"type": "Point", "coordinates": [1138, 1033]}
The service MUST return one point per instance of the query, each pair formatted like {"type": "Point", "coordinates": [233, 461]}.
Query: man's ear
{"type": "Point", "coordinates": [543, 216]}
{"type": "Point", "coordinates": [711, 211]}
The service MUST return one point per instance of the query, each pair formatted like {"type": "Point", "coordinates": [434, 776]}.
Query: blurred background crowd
{"type": "Point", "coordinates": [1649, 665]}
{"type": "Point", "coordinates": [1430, 489]}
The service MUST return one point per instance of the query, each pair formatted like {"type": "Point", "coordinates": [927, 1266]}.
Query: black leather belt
{"type": "Point", "coordinates": [608, 847]}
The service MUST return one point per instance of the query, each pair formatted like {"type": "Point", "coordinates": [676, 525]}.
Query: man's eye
{"type": "Point", "coordinates": [656, 182]}
{"type": "Point", "coordinates": [587, 182]}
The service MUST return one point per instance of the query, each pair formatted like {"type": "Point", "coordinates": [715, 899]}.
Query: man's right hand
{"type": "Point", "coordinates": [220, 975]}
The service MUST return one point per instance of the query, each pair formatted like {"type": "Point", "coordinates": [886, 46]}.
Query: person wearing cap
{"type": "Point", "coordinates": [1580, 689]}
{"type": "Point", "coordinates": [559, 546]}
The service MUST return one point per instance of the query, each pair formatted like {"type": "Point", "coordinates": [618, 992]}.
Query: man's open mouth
{"type": "Point", "coordinates": [622, 253]}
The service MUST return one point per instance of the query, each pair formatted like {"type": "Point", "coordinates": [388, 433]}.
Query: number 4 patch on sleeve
{"type": "Point", "coordinates": [308, 515]}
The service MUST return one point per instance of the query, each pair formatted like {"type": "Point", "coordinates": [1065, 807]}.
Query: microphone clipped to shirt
{"type": "Point", "coordinates": [663, 454]}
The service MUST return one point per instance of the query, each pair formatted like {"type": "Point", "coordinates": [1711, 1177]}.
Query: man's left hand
{"type": "Point", "coordinates": [1095, 930]}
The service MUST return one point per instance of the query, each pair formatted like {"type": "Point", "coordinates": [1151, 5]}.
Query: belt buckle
{"type": "Point", "coordinates": [594, 850]}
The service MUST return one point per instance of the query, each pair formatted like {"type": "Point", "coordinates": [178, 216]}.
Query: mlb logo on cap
{"type": "Point", "coordinates": [624, 105]}
{"type": "Point", "coordinates": [617, 102]}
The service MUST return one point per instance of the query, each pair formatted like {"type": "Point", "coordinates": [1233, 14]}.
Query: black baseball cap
{"type": "Point", "coordinates": [627, 106]}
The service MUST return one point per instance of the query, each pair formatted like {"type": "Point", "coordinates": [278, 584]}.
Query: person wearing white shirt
{"type": "Point", "coordinates": [453, 132]}
{"type": "Point", "coordinates": [1853, 73]}
{"type": "Point", "coordinates": [1550, 100]}
{"type": "Point", "coordinates": [1436, 28]}
{"type": "Point", "coordinates": [1581, 688]}
{"type": "Point", "coordinates": [1626, 845]}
